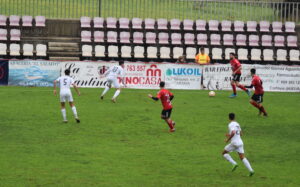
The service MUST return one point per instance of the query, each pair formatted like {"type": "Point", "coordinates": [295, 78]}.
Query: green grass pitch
{"type": "Point", "coordinates": [127, 144]}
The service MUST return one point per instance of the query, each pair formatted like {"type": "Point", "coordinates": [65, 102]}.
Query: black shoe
{"type": "Point", "coordinates": [101, 97]}
{"type": "Point", "coordinates": [77, 120]}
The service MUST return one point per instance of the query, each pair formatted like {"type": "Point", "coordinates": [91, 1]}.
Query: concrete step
{"type": "Point", "coordinates": [53, 39]}
{"type": "Point", "coordinates": [64, 58]}
{"type": "Point", "coordinates": [65, 53]}
{"type": "Point", "coordinates": [63, 44]}
{"type": "Point", "coordinates": [63, 49]}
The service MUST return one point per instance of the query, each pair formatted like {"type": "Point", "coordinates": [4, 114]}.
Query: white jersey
{"type": "Point", "coordinates": [236, 139]}
{"type": "Point", "coordinates": [114, 72]}
{"type": "Point", "coordinates": [65, 83]}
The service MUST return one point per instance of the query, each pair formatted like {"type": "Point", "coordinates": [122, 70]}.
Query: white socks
{"type": "Point", "coordinates": [105, 91]}
{"type": "Point", "coordinates": [116, 94]}
{"type": "Point", "coordinates": [228, 157]}
{"type": "Point", "coordinates": [247, 164]}
{"type": "Point", "coordinates": [63, 112]}
{"type": "Point", "coordinates": [74, 112]}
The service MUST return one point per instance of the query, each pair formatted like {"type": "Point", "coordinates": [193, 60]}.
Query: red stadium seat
{"type": "Point", "coordinates": [111, 23]}
{"type": "Point", "coordinates": [163, 38]}
{"type": "Point", "coordinates": [86, 36]}
{"type": "Point", "coordinates": [277, 27]}
{"type": "Point", "coordinates": [253, 40]}
{"type": "Point", "coordinates": [150, 38]}
{"type": "Point", "coordinates": [14, 20]}
{"type": "Point", "coordinates": [251, 26]}
{"type": "Point", "coordinates": [176, 38]}
{"type": "Point", "coordinates": [290, 27]}
{"type": "Point", "coordinates": [137, 23]}
{"type": "Point", "coordinates": [27, 21]}
{"type": "Point", "coordinates": [239, 26]}
{"type": "Point", "coordinates": [292, 41]}
{"type": "Point", "coordinates": [264, 26]}
{"type": "Point", "coordinates": [98, 36]}
{"type": "Point", "coordinates": [98, 22]}
{"type": "Point", "coordinates": [215, 39]}
{"type": "Point", "coordinates": [40, 21]}
{"type": "Point", "coordinates": [200, 25]}
{"type": "Point", "coordinates": [202, 39]}
{"type": "Point", "coordinates": [138, 37]}
{"type": "Point", "coordinates": [241, 40]}
{"type": "Point", "coordinates": [124, 23]}
{"type": "Point", "coordinates": [125, 37]}
{"type": "Point", "coordinates": [112, 37]}
{"type": "Point", "coordinates": [175, 24]}
{"type": "Point", "coordinates": [162, 24]}
{"type": "Point", "coordinates": [149, 23]}
{"type": "Point", "coordinates": [266, 40]}
{"type": "Point", "coordinates": [189, 39]}
{"type": "Point", "coordinates": [279, 41]}
{"type": "Point", "coordinates": [226, 26]}
{"type": "Point", "coordinates": [188, 25]}
{"type": "Point", "coordinates": [85, 22]}
{"type": "Point", "coordinates": [213, 25]}
{"type": "Point", "coordinates": [3, 34]}
{"type": "Point", "coordinates": [3, 20]}
{"type": "Point", "coordinates": [228, 39]}
{"type": "Point", "coordinates": [15, 35]}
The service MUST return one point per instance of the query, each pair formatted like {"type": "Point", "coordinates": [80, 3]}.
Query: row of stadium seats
{"type": "Point", "coordinates": [189, 39]}
{"type": "Point", "coordinates": [27, 50]}
{"type": "Point", "coordinates": [187, 25]}
{"type": "Point", "coordinates": [25, 21]}
{"type": "Point", "coordinates": [14, 35]}
{"type": "Point", "coordinates": [172, 53]}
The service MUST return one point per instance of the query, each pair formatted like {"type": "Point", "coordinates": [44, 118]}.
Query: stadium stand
{"type": "Point", "coordinates": [149, 39]}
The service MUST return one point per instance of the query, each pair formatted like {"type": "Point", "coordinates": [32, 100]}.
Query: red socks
{"type": "Point", "coordinates": [233, 88]}
{"type": "Point", "coordinates": [262, 109]}
{"type": "Point", "coordinates": [170, 123]}
{"type": "Point", "coordinates": [242, 87]}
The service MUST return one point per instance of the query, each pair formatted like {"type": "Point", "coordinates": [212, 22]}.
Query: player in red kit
{"type": "Point", "coordinates": [165, 97]}
{"type": "Point", "coordinates": [236, 75]}
{"type": "Point", "coordinates": [257, 97]}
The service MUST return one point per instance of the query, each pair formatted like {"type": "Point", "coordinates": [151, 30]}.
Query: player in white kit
{"type": "Point", "coordinates": [236, 144]}
{"type": "Point", "coordinates": [65, 83]}
{"type": "Point", "coordinates": [112, 75]}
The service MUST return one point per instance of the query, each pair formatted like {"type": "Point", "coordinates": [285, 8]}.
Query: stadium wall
{"type": "Point", "coordinates": [140, 75]}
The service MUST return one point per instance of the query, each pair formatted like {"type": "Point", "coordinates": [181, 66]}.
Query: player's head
{"type": "Point", "coordinates": [232, 56]}
{"type": "Point", "coordinates": [231, 116]}
{"type": "Point", "coordinates": [162, 84]}
{"type": "Point", "coordinates": [121, 63]}
{"type": "Point", "coordinates": [67, 72]}
{"type": "Point", "coordinates": [253, 71]}
{"type": "Point", "coordinates": [202, 50]}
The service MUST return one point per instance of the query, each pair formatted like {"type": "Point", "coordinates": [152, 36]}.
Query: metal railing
{"type": "Point", "coordinates": [181, 9]}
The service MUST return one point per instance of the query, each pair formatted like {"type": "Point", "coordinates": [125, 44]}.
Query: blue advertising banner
{"type": "Point", "coordinates": [3, 72]}
{"type": "Point", "coordinates": [33, 73]}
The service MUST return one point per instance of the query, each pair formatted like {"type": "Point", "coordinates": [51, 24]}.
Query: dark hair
{"type": "Point", "coordinates": [232, 54]}
{"type": "Point", "coordinates": [121, 62]}
{"type": "Point", "coordinates": [231, 116]}
{"type": "Point", "coordinates": [67, 72]}
{"type": "Point", "coordinates": [202, 49]}
{"type": "Point", "coordinates": [162, 84]}
{"type": "Point", "coordinates": [253, 71]}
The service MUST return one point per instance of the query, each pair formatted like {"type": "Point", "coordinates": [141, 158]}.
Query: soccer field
{"type": "Point", "coordinates": [127, 144]}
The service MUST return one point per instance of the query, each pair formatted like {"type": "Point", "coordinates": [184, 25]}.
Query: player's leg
{"type": "Point", "coordinates": [107, 87]}
{"type": "Point", "coordinates": [256, 102]}
{"type": "Point", "coordinates": [74, 111]}
{"type": "Point", "coordinates": [118, 91]}
{"type": "Point", "coordinates": [63, 112]}
{"type": "Point", "coordinates": [165, 115]}
{"type": "Point", "coordinates": [243, 88]}
{"type": "Point", "coordinates": [228, 148]}
{"type": "Point", "coordinates": [63, 107]}
{"type": "Point", "coordinates": [245, 161]}
{"type": "Point", "coordinates": [233, 88]}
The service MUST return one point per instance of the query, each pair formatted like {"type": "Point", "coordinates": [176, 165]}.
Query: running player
{"type": "Point", "coordinates": [236, 144]}
{"type": "Point", "coordinates": [166, 97]}
{"type": "Point", "coordinates": [257, 98]}
{"type": "Point", "coordinates": [236, 75]}
{"type": "Point", "coordinates": [112, 75]}
{"type": "Point", "coordinates": [65, 83]}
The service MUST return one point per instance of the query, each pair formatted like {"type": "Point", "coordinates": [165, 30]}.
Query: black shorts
{"type": "Point", "coordinates": [166, 113]}
{"type": "Point", "coordinates": [236, 77]}
{"type": "Point", "coordinates": [257, 98]}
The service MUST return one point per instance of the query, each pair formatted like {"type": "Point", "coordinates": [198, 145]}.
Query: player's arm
{"type": "Point", "coordinates": [230, 136]}
{"type": "Point", "coordinates": [76, 89]}
{"type": "Point", "coordinates": [250, 86]}
{"type": "Point", "coordinates": [152, 97]}
{"type": "Point", "coordinates": [54, 87]}
{"type": "Point", "coordinates": [171, 96]}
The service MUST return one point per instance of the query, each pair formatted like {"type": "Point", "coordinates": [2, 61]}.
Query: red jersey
{"type": "Point", "coordinates": [257, 83]}
{"type": "Point", "coordinates": [235, 64]}
{"type": "Point", "coordinates": [164, 96]}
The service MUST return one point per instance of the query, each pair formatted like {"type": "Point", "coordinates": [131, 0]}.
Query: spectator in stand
{"type": "Point", "coordinates": [202, 58]}
{"type": "Point", "coordinates": [181, 59]}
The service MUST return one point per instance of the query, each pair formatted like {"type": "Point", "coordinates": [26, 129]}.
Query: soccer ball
{"type": "Point", "coordinates": [211, 94]}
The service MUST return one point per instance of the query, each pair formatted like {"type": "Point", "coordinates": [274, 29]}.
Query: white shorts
{"type": "Point", "coordinates": [66, 97]}
{"type": "Point", "coordinates": [113, 82]}
{"type": "Point", "coordinates": [233, 147]}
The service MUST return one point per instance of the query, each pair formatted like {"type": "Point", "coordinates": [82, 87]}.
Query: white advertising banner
{"type": "Point", "coordinates": [182, 76]}
{"type": "Point", "coordinates": [139, 75]}
{"type": "Point", "coordinates": [143, 75]}
{"type": "Point", "coordinates": [87, 74]}
{"type": "Point", "coordinates": [274, 77]}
